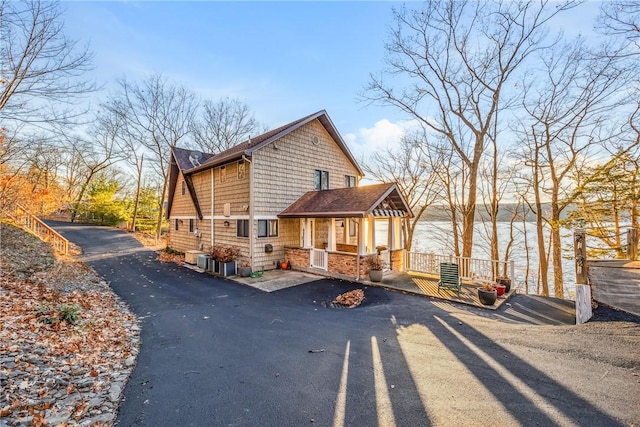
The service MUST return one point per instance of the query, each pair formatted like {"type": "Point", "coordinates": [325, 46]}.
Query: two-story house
{"type": "Point", "coordinates": [289, 194]}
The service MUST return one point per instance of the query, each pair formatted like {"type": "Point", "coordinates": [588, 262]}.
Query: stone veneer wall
{"type": "Point", "coordinates": [343, 263]}
{"type": "Point", "coordinates": [397, 260]}
{"type": "Point", "coordinates": [298, 257]}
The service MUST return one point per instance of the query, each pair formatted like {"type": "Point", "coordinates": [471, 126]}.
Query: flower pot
{"type": "Point", "coordinates": [506, 282]}
{"type": "Point", "coordinates": [375, 275]}
{"type": "Point", "coordinates": [487, 297]}
{"type": "Point", "coordinates": [244, 271]}
{"type": "Point", "coordinates": [227, 268]}
{"type": "Point", "coordinates": [500, 289]}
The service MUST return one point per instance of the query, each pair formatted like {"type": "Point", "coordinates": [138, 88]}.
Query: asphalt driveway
{"type": "Point", "coordinates": [218, 353]}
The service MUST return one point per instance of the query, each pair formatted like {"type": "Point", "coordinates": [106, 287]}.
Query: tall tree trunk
{"type": "Point", "coordinates": [556, 252]}
{"type": "Point", "coordinates": [542, 253]}
{"type": "Point", "coordinates": [469, 216]}
{"type": "Point", "coordinates": [161, 209]}
{"type": "Point", "coordinates": [137, 201]}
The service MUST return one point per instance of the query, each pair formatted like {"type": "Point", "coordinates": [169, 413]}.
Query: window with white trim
{"type": "Point", "coordinates": [349, 181]}
{"type": "Point", "coordinates": [267, 228]}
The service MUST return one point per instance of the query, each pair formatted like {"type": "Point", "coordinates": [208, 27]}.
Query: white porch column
{"type": "Point", "coordinates": [398, 241]}
{"type": "Point", "coordinates": [362, 236]}
{"type": "Point", "coordinates": [371, 235]}
{"type": "Point", "coordinates": [331, 244]}
{"type": "Point", "coordinates": [391, 239]}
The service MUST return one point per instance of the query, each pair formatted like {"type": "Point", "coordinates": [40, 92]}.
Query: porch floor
{"type": "Point", "coordinates": [412, 283]}
{"type": "Point", "coordinates": [427, 285]}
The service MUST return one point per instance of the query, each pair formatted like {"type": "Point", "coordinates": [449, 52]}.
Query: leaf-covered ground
{"type": "Point", "coordinates": [67, 342]}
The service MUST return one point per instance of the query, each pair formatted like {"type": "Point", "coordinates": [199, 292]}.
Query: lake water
{"type": "Point", "coordinates": [436, 237]}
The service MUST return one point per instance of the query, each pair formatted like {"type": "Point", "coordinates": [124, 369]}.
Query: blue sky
{"type": "Point", "coordinates": [284, 59]}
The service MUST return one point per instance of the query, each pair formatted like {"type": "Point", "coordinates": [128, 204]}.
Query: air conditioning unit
{"type": "Point", "coordinates": [203, 261]}
{"type": "Point", "coordinates": [191, 257]}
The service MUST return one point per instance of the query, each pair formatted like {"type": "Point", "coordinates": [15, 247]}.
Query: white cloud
{"type": "Point", "coordinates": [384, 134]}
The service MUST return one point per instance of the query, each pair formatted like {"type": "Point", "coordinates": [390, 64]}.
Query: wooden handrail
{"type": "Point", "coordinates": [36, 226]}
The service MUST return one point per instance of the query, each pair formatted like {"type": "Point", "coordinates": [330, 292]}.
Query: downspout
{"type": "Point", "coordinates": [251, 242]}
{"type": "Point", "coordinates": [212, 210]}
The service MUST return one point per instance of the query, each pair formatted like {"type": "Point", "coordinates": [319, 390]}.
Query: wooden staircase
{"type": "Point", "coordinates": [34, 225]}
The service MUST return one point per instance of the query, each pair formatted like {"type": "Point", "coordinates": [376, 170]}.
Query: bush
{"type": "Point", "coordinates": [224, 253]}
{"type": "Point", "coordinates": [172, 251]}
{"type": "Point", "coordinates": [69, 313]}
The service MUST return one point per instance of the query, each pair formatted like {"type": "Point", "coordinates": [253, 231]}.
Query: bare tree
{"type": "Point", "coordinates": [131, 149]}
{"type": "Point", "coordinates": [408, 167]}
{"type": "Point", "coordinates": [92, 156]}
{"type": "Point", "coordinates": [452, 176]}
{"type": "Point", "coordinates": [224, 124]}
{"type": "Point", "coordinates": [40, 68]}
{"type": "Point", "coordinates": [620, 18]}
{"type": "Point", "coordinates": [568, 108]}
{"type": "Point", "coordinates": [159, 115]}
{"type": "Point", "coordinates": [28, 172]}
{"type": "Point", "coordinates": [454, 59]}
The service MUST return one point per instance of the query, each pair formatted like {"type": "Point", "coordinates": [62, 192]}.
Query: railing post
{"type": "Point", "coordinates": [632, 244]}
{"type": "Point", "coordinates": [580, 252]}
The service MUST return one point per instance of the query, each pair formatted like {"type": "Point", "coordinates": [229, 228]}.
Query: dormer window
{"type": "Point", "coordinates": [321, 179]}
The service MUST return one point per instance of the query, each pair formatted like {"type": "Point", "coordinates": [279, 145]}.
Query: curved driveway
{"type": "Point", "coordinates": [217, 353]}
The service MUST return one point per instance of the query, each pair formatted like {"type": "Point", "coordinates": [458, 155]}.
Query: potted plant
{"type": "Point", "coordinates": [214, 254]}
{"type": "Point", "coordinates": [374, 263]}
{"type": "Point", "coordinates": [226, 257]}
{"type": "Point", "coordinates": [487, 293]}
{"type": "Point", "coordinates": [244, 270]}
{"type": "Point", "coordinates": [506, 281]}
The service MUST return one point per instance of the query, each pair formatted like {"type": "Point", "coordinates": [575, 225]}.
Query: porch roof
{"type": "Point", "coordinates": [380, 200]}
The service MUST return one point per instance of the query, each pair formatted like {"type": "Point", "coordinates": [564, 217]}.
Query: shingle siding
{"type": "Point", "coordinates": [285, 173]}
{"type": "Point", "coordinates": [182, 210]}
{"type": "Point", "coordinates": [282, 172]}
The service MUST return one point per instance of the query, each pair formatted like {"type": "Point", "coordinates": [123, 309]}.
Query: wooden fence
{"type": "Point", "coordinates": [25, 219]}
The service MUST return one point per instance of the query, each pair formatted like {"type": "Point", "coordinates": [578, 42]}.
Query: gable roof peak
{"type": "Point", "coordinates": [254, 143]}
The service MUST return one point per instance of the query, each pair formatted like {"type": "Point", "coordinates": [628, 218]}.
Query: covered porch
{"type": "Point", "coordinates": [337, 230]}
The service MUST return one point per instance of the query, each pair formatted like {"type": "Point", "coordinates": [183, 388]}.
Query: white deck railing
{"type": "Point", "coordinates": [470, 268]}
{"type": "Point", "coordinates": [319, 259]}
